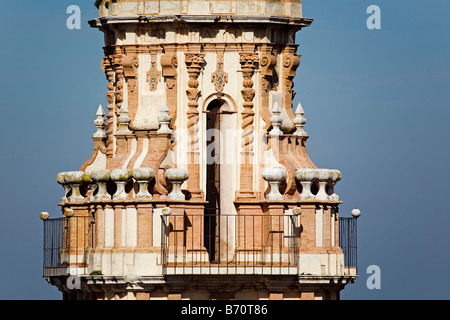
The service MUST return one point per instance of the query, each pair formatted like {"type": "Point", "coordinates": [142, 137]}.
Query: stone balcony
{"type": "Point", "coordinates": [113, 223]}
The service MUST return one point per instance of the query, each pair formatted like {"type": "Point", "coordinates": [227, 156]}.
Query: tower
{"type": "Point", "coordinates": [200, 185]}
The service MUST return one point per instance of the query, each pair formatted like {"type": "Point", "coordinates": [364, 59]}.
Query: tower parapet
{"type": "Point", "coordinates": [259, 8]}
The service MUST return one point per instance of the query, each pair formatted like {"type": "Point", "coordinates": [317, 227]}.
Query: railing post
{"type": "Point", "coordinates": [348, 240]}
{"type": "Point", "coordinates": [165, 237]}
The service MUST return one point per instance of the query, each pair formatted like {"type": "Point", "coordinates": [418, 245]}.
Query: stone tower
{"type": "Point", "coordinates": [200, 185]}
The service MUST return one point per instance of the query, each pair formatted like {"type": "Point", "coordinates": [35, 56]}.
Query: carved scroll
{"type": "Point", "coordinates": [291, 62]}
{"type": "Point", "coordinates": [267, 64]}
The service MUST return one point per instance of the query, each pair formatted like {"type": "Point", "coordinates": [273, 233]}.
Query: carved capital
{"type": "Point", "coordinates": [248, 61]}
{"type": "Point", "coordinates": [194, 64]}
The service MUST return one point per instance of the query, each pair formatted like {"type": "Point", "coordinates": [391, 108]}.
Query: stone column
{"type": "Point", "coordinates": [194, 64]}
{"type": "Point", "coordinates": [248, 60]}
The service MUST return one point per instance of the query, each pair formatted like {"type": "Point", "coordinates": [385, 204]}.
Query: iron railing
{"type": "Point", "coordinates": [199, 244]}
{"type": "Point", "coordinates": [230, 244]}
{"type": "Point", "coordinates": [66, 241]}
{"type": "Point", "coordinates": [348, 242]}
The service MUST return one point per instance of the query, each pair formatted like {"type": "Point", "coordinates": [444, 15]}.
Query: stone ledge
{"type": "Point", "coordinates": [223, 19]}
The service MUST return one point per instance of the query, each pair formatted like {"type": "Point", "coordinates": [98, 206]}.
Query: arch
{"type": "Point", "coordinates": [229, 102]}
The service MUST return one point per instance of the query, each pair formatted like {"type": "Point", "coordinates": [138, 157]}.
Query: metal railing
{"type": "Point", "coordinates": [66, 241]}
{"type": "Point", "coordinates": [348, 243]}
{"type": "Point", "coordinates": [201, 244]}
{"type": "Point", "coordinates": [230, 244]}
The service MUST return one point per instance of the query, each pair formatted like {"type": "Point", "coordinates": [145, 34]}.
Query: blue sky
{"type": "Point", "coordinates": [377, 104]}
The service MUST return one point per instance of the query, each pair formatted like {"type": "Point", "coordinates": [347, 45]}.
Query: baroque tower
{"type": "Point", "coordinates": [200, 185]}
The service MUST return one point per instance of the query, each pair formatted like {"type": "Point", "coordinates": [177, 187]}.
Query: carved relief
{"type": "Point", "coordinates": [153, 75]}
{"type": "Point", "coordinates": [219, 77]}
{"type": "Point", "coordinates": [118, 68]}
{"type": "Point", "coordinates": [107, 68]}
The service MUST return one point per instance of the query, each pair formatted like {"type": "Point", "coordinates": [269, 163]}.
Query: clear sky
{"type": "Point", "coordinates": [377, 104]}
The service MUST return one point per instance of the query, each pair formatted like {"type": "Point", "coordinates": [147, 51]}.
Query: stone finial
{"type": "Point", "coordinates": [100, 123]}
{"type": "Point", "coordinates": [143, 176]}
{"type": "Point", "coordinates": [44, 215]}
{"type": "Point", "coordinates": [300, 121]}
{"type": "Point", "coordinates": [124, 120]}
{"type": "Point", "coordinates": [297, 211]}
{"type": "Point", "coordinates": [356, 213]}
{"type": "Point", "coordinates": [164, 119]}
{"type": "Point", "coordinates": [68, 212]}
{"type": "Point", "coordinates": [274, 176]}
{"type": "Point", "coordinates": [276, 120]}
{"type": "Point", "coordinates": [177, 177]}
{"type": "Point", "coordinates": [166, 211]}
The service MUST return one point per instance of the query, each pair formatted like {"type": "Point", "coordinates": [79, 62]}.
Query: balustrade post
{"type": "Point", "coordinates": [274, 176]}
{"type": "Point", "coordinates": [120, 177]}
{"type": "Point", "coordinates": [177, 177]}
{"type": "Point", "coordinates": [101, 177]}
{"type": "Point", "coordinates": [61, 180]}
{"type": "Point", "coordinates": [143, 176]}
